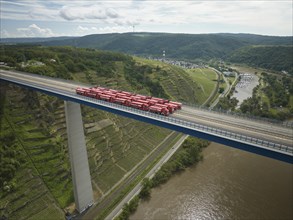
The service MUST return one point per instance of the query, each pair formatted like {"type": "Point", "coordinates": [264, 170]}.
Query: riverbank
{"type": "Point", "coordinates": [189, 154]}
{"type": "Point", "coordinates": [227, 184]}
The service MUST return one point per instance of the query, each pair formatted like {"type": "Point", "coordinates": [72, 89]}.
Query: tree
{"type": "Point", "coordinates": [221, 90]}
{"type": "Point", "coordinates": [146, 188]}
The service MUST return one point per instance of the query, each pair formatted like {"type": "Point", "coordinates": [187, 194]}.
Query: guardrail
{"type": "Point", "coordinates": [195, 126]}
{"type": "Point", "coordinates": [191, 125]}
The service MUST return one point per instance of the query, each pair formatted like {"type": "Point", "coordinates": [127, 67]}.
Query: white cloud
{"type": "Point", "coordinates": [35, 31]}
{"type": "Point", "coordinates": [87, 12]}
{"type": "Point", "coordinates": [118, 29]}
{"type": "Point", "coordinates": [83, 30]}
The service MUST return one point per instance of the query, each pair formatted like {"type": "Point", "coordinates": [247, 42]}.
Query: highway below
{"type": "Point", "coordinates": [263, 130]}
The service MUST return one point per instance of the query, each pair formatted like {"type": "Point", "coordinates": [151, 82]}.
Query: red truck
{"type": "Point", "coordinates": [121, 101]}
{"type": "Point", "coordinates": [178, 104]}
{"type": "Point", "coordinates": [114, 91]}
{"type": "Point", "coordinates": [148, 102]}
{"type": "Point", "coordinates": [171, 108]}
{"type": "Point", "coordinates": [80, 91]}
{"type": "Point", "coordinates": [139, 105]}
{"type": "Point", "coordinates": [135, 98]}
{"type": "Point", "coordinates": [126, 93]}
{"type": "Point", "coordinates": [159, 110]}
{"type": "Point", "coordinates": [159, 100]}
{"type": "Point", "coordinates": [142, 97]}
{"type": "Point", "coordinates": [107, 98]}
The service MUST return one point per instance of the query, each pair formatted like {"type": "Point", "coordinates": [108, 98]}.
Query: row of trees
{"type": "Point", "coordinates": [227, 103]}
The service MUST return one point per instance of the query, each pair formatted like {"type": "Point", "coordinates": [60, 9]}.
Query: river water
{"type": "Point", "coordinates": [227, 184]}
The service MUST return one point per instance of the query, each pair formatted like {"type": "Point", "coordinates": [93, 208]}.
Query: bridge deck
{"type": "Point", "coordinates": [255, 136]}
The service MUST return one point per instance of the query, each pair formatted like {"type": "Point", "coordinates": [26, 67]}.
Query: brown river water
{"type": "Point", "coordinates": [227, 184]}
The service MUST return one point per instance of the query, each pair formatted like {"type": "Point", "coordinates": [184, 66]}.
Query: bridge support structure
{"type": "Point", "coordinates": [83, 192]}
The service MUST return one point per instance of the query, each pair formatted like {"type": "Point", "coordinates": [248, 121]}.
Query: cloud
{"type": "Point", "coordinates": [250, 16]}
{"type": "Point", "coordinates": [88, 12]}
{"type": "Point", "coordinates": [27, 10]}
{"type": "Point", "coordinates": [86, 30]}
{"type": "Point", "coordinates": [119, 29]}
{"type": "Point", "coordinates": [34, 30]}
{"type": "Point", "coordinates": [83, 30]}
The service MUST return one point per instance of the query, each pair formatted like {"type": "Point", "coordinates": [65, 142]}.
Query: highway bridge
{"type": "Point", "coordinates": [261, 137]}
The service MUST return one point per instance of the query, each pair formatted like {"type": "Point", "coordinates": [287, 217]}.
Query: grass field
{"type": "Point", "coordinates": [206, 79]}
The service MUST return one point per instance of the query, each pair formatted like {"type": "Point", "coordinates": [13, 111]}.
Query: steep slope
{"type": "Point", "coordinates": [269, 57]}
{"type": "Point", "coordinates": [104, 68]}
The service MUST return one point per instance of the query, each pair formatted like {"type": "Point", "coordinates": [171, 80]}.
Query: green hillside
{"type": "Point", "coordinates": [189, 46]}
{"type": "Point", "coordinates": [35, 169]}
{"type": "Point", "coordinates": [104, 68]}
{"type": "Point", "coordinates": [268, 57]}
{"type": "Point", "coordinates": [271, 52]}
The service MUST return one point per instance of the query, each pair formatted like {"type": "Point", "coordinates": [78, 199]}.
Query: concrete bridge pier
{"type": "Point", "coordinates": [83, 192]}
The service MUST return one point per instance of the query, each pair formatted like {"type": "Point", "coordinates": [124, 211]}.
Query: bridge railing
{"type": "Point", "coordinates": [199, 127]}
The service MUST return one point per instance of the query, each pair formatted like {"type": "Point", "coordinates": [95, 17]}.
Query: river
{"type": "Point", "coordinates": [227, 184]}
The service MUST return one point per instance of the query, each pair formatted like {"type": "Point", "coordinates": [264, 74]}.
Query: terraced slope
{"type": "Point", "coordinates": [115, 146]}
{"type": "Point", "coordinates": [175, 81]}
{"type": "Point", "coordinates": [42, 178]}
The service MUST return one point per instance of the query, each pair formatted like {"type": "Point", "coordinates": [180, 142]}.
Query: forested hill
{"type": "Point", "coordinates": [189, 46]}
{"type": "Point", "coordinates": [269, 57]}
{"type": "Point", "coordinates": [233, 47]}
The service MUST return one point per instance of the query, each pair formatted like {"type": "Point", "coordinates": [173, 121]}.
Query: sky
{"type": "Point", "coordinates": [52, 18]}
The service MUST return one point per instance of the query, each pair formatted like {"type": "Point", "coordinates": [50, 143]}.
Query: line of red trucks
{"type": "Point", "coordinates": [142, 102]}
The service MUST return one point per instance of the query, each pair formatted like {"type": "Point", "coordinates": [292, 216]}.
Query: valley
{"type": "Point", "coordinates": [121, 151]}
